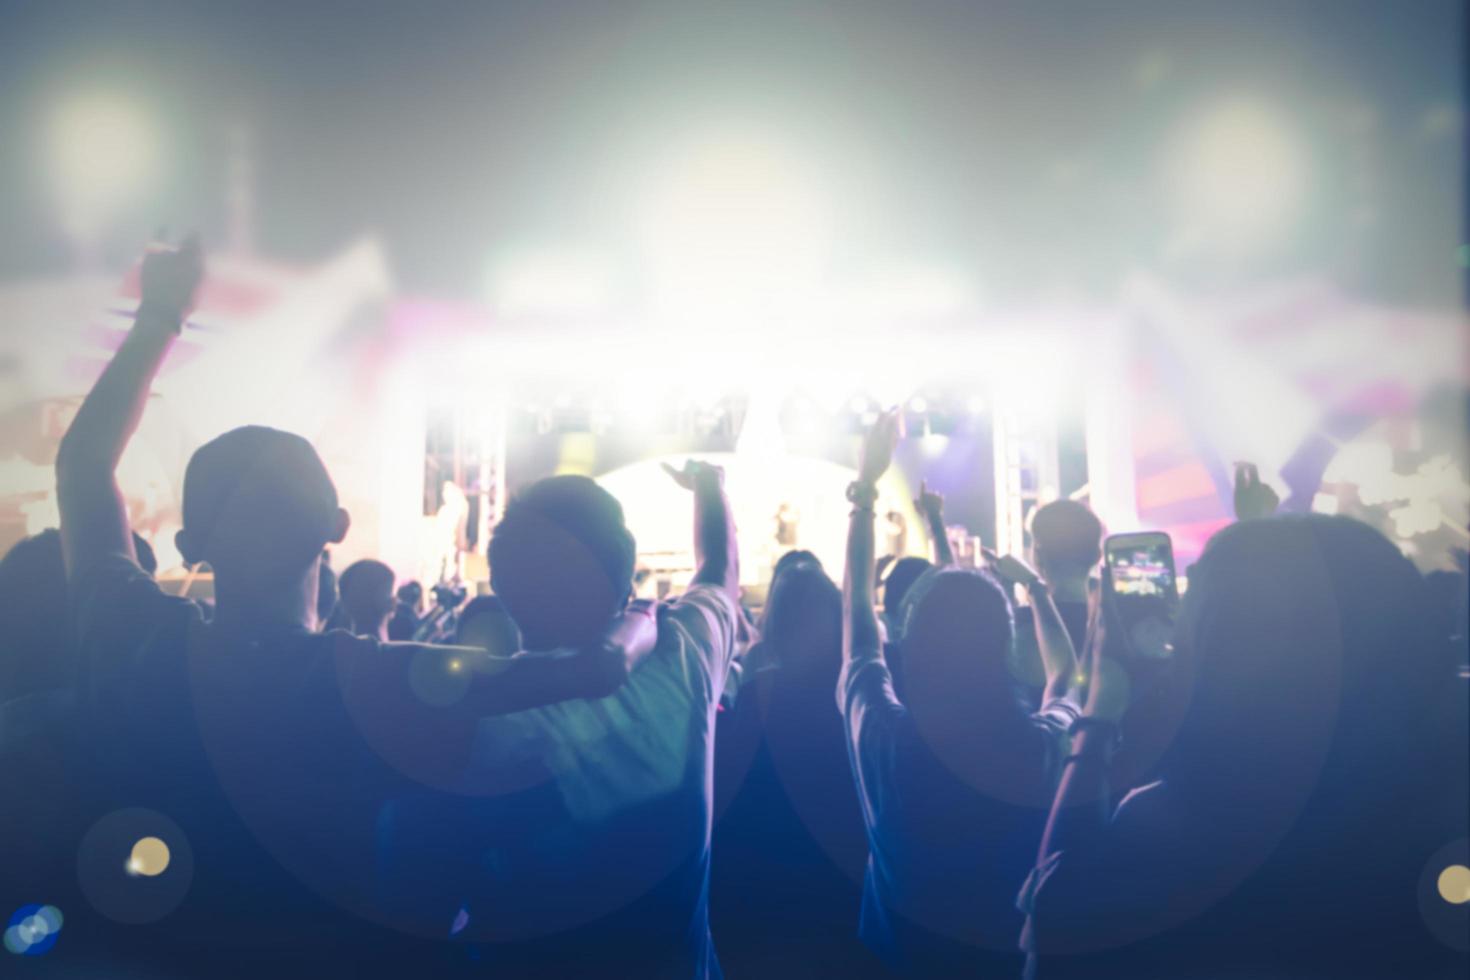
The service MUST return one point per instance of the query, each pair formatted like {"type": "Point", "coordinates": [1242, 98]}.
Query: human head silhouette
{"type": "Point", "coordinates": [1066, 542]}
{"type": "Point", "coordinates": [1293, 604]}
{"type": "Point", "coordinates": [259, 507]}
{"type": "Point", "coordinates": [801, 625]}
{"type": "Point", "coordinates": [366, 591]}
{"type": "Point", "coordinates": [561, 559]}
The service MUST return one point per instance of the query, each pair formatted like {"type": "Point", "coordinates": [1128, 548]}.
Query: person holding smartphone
{"type": "Point", "coordinates": [1317, 770]}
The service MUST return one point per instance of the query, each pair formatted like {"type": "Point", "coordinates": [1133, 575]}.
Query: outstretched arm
{"type": "Point", "coordinates": [94, 519]}
{"type": "Point", "coordinates": [716, 556]}
{"type": "Point", "coordinates": [860, 619]}
{"type": "Point", "coordinates": [530, 680]}
{"type": "Point", "coordinates": [931, 505]}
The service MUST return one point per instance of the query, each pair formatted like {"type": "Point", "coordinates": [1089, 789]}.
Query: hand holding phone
{"type": "Point", "coordinates": [1140, 568]}
{"type": "Point", "coordinates": [1012, 569]}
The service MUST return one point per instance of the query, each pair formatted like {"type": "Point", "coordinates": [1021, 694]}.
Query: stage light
{"type": "Point", "coordinates": [729, 227]}
{"type": "Point", "coordinates": [918, 405]}
{"type": "Point", "coordinates": [103, 150]}
{"type": "Point", "coordinates": [1236, 177]}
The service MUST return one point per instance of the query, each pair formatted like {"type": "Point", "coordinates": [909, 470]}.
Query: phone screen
{"type": "Point", "coordinates": [1142, 565]}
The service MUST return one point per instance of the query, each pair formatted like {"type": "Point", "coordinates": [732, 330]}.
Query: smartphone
{"type": "Point", "coordinates": [1142, 566]}
{"type": "Point", "coordinates": [1145, 587]}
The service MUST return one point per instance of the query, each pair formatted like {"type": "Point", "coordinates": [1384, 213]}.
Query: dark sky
{"type": "Point", "coordinates": [452, 129]}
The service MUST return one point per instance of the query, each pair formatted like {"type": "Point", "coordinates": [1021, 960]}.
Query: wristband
{"type": "Point", "coordinates": [862, 495]}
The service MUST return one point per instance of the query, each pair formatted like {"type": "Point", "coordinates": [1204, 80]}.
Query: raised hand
{"type": "Point", "coordinates": [170, 277]}
{"type": "Point", "coordinates": [878, 446]}
{"type": "Point", "coordinates": [1253, 499]}
{"type": "Point", "coordinates": [928, 503]}
{"type": "Point", "coordinates": [1012, 569]}
{"type": "Point", "coordinates": [694, 473]}
{"type": "Point", "coordinates": [716, 556]}
{"type": "Point", "coordinates": [93, 516]}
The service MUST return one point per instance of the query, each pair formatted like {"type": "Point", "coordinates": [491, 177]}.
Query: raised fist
{"type": "Point", "coordinates": [170, 277]}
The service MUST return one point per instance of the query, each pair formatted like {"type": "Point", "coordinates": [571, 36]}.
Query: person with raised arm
{"type": "Point", "coordinates": [600, 861]}
{"type": "Point", "coordinates": [954, 776]}
{"type": "Point", "coordinates": [259, 744]}
{"type": "Point", "coordinates": [930, 506]}
{"type": "Point", "coordinates": [1324, 741]}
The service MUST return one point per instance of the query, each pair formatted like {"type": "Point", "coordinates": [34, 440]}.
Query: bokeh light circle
{"type": "Point", "coordinates": [1444, 894]}
{"type": "Point", "coordinates": [135, 866]}
{"type": "Point", "coordinates": [1454, 884]}
{"type": "Point", "coordinates": [149, 857]}
{"type": "Point", "coordinates": [33, 930]}
{"type": "Point", "coordinates": [438, 679]}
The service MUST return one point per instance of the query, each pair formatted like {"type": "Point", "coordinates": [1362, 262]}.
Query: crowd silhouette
{"type": "Point", "coordinates": [910, 773]}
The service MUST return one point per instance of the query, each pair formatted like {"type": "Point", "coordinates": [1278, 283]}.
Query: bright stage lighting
{"type": "Point", "coordinates": [913, 292]}
{"type": "Point", "coordinates": [103, 150]}
{"type": "Point", "coordinates": [761, 484]}
{"type": "Point", "coordinates": [1236, 177]}
{"type": "Point", "coordinates": [557, 283]}
{"type": "Point", "coordinates": [732, 226]}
